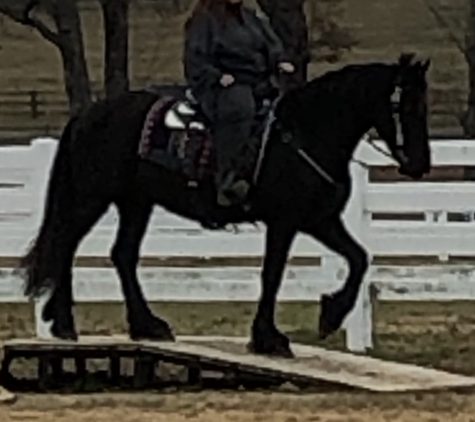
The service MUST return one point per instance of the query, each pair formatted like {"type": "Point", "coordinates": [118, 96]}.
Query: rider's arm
{"type": "Point", "coordinates": [198, 64]}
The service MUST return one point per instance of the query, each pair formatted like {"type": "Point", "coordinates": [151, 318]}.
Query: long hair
{"type": "Point", "coordinates": [219, 8]}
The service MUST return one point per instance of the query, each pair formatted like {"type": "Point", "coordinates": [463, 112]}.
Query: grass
{"type": "Point", "coordinates": [381, 29]}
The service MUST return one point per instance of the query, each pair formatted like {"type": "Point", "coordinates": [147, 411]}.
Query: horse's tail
{"type": "Point", "coordinates": [37, 266]}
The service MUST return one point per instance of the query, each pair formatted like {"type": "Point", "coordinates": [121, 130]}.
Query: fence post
{"type": "Point", "coordinates": [42, 155]}
{"type": "Point", "coordinates": [332, 267]}
{"type": "Point", "coordinates": [358, 324]}
{"type": "Point", "coordinates": [34, 104]}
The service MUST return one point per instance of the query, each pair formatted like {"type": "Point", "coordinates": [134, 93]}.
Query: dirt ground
{"type": "Point", "coordinates": [243, 407]}
{"type": "Point", "coordinates": [439, 335]}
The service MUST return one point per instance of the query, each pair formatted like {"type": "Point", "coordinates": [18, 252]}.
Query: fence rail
{"type": "Point", "coordinates": [27, 112]}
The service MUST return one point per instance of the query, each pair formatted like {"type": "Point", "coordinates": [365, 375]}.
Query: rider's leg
{"type": "Point", "coordinates": [235, 111]}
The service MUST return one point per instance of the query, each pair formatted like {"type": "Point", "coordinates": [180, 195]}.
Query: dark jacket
{"type": "Point", "coordinates": [250, 51]}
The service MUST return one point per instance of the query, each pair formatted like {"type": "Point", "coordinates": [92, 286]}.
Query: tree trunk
{"type": "Point", "coordinates": [469, 118]}
{"type": "Point", "coordinates": [287, 18]}
{"type": "Point", "coordinates": [66, 36]}
{"type": "Point", "coordinates": [76, 75]}
{"type": "Point", "coordinates": [116, 27]}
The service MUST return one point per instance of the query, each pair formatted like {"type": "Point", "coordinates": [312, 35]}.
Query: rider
{"type": "Point", "coordinates": [230, 55]}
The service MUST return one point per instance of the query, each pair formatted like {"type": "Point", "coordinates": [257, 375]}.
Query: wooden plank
{"type": "Point", "coordinates": [311, 365]}
{"type": "Point", "coordinates": [356, 370]}
{"type": "Point", "coordinates": [6, 397]}
{"type": "Point", "coordinates": [85, 343]}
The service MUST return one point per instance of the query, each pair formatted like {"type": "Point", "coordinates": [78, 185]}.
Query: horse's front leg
{"type": "Point", "coordinates": [335, 307]}
{"type": "Point", "coordinates": [266, 338]}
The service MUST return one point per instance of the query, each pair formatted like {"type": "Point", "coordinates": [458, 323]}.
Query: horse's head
{"type": "Point", "coordinates": [407, 102]}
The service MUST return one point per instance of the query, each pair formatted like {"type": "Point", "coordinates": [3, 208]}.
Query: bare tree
{"type": "Point", "coordinates": [466, 45]}
{"type": "Point", "coordinates": [329, 39]}
{"type": "Point", "coordinates": [116, 28]}
{"type": "Point", "coordinates": [58, 22]}
{"type": "Point", "coordinates": [170, 7]}
{"type": "Point", "coordinates": [469, 117]}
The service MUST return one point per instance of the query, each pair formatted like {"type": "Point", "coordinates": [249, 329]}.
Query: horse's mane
{"type": "Point", "coordinates": [348, 78]}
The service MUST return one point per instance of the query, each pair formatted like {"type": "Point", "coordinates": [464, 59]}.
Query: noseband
{"type": "Point", "coordinates": [396, 108]}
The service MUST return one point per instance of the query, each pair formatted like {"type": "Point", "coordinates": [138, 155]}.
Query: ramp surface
{"type": "Point", "coordinates": [6, 397]}
{"type": "Point", "coordinates": [311, 364]}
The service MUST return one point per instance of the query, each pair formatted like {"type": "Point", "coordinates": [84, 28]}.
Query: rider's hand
{"type": "Point", "coordinates": [286, 67]}
{"type": "Point", "coordinates": [226, 80]}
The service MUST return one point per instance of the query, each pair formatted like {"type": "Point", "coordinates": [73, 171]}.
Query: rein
{"type": "Point", "coordinates": [377, 148]}
{"type": "Point", "coordinates": [395, 99]}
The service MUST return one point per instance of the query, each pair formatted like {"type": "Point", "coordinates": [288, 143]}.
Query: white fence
{"type": "Point", "coordinates": [24, 173]}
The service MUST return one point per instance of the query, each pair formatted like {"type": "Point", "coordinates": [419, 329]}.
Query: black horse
{"type": "Point", "coordinates": [303, 185]}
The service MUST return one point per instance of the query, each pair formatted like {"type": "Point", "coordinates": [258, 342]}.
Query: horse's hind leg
{"type": "Point", "coordinates": [62, 249]}
{"type": "Point", "coordinates": [134, 215]}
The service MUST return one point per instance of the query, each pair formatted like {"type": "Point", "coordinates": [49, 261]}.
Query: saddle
{"type": "Point", "coordinates": [185, 114]}
{"type": "Point", "coordinates": [176, 134]}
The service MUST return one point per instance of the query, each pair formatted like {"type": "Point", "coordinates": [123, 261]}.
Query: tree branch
{"type": "Point", "coordinates": [21, 12]}
{"type": "Point", "coordinates": [443, 23]}
{"type": "Point", "coordinates": [29, 9]}
{"type": "Point", "coordinates": [17, 10]}
{"type": "Point", "coordinates": [47, 33]}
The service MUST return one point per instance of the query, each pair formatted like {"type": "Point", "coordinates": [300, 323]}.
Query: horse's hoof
{"type": "Point", "coordinates": [331, 316]}
{"type": "Point", "coordinates": [275, 346]}
{"type": "Point", "coordinates": [154, 329]}
{"type": "Point", "coordinates": [64, 333]}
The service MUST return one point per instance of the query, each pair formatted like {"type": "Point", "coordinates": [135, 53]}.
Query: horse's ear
{"type": "Point", "coordinates": [425, 66]}
{"type": "Point", "coordinates": [405, 59]}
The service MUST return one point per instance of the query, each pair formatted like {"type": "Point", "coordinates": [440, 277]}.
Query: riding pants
{"type": "Point", "coordinates": [232, 110]}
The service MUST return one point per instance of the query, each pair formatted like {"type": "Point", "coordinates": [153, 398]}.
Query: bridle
{"type": "Point", "coordinates": [287, 139]}
{"type": "Point", "coordinates": [395, 100]}
{"type": "Point", "coordinates": [396, 105]}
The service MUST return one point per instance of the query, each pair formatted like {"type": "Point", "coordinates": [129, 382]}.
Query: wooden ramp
{"type": "Point", "coordinates": [312, 365]}
{"type": "Point", "coordinates": [6, 397]}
